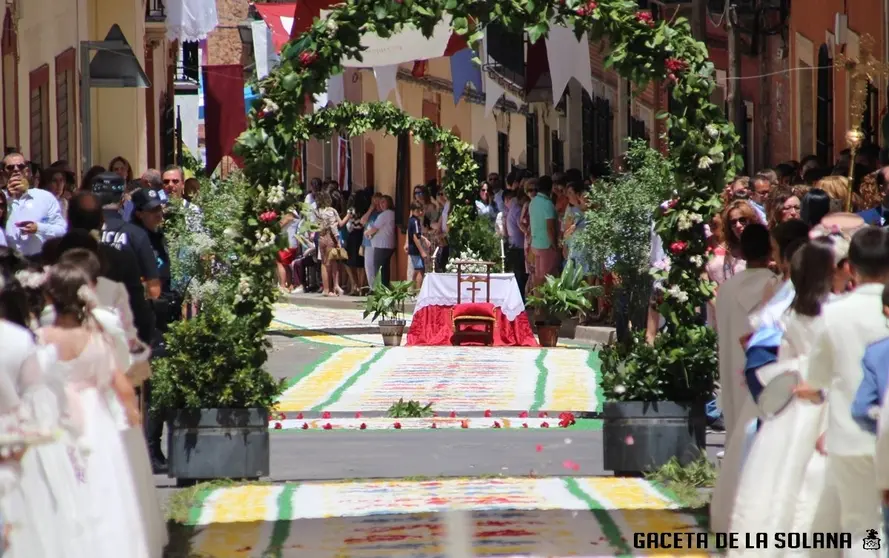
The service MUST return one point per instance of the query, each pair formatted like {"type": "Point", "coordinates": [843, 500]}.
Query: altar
{"type": "Point", "coordinates": [433, 321]}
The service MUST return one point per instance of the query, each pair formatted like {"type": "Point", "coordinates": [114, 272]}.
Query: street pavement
{"type": "Point", "coordinates": [306, 464]}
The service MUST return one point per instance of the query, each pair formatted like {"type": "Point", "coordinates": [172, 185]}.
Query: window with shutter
{"type": "Point", "coordinates": [66, 120]}
{"type": "Point", "coordinates": [39, 116]}
{"type": "Point", "coordinates": [823, 128]}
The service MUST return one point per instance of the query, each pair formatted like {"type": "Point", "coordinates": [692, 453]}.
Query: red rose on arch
{"type": "Point", "coordinates": [586, 9]}
{"type": "Point", "coordinates": [675, 65]}
{"type": "Point", "coordinates": [268, 216]}
{"type": "Point", "coordinates": [672, 203]}
{"type": "Point", "coordinates": [678, 247]}
{"type": "Point", "coordinates": [307, 57]}
{"type": "Point", "coordinates": [645, 18]}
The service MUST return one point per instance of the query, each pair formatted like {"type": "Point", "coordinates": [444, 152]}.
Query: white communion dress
{"type": "Point", "coordinates": [114, 513]}
{"type": "Point", "coordinates": [784, 486]}
{"type": "Point", "coordinates": [46, 512]}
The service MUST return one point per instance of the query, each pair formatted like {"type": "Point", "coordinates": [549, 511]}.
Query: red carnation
{"type": "Point", "coordinates": [397, 426]}
{"type": "Point", "coordinates": [453, 414]}
{"type": "Point", "coordinates": [566, 420]}
{"type": "Point", "coordinates": [299, 416]}
{"type": "Point", "coordinates": [363, 426]}
{"type": "Point", "coordinates": [464, 424]}
{"type": "Point", "coordinates": [325, 414]}
{"type": "Point", "coordinates": [268, 216]}
{"type": "Point", "coordinates": [307, 57]}
{"type": "Point", "coordinates": [678, 247]}
{"type": "Point", "coordinates": [358, 414]}
{"type": "Point", "coordinates": [488, 414]}
{"type": "Point", "coordinates": [523, 414]}
{"type": "Point", "coordinates": [586, 9]}
{"type": "Point", "coordinates": [524, 425]}
{"type": "Point", "coordinates": [261, 114]}
{"type": "Point", "coordinates": [542, 414]}
{"type": "Point", "coordinates": [305, 426]}
{"type": "Point", "coordinates": [544, 424]}
{"type": "Point", "coordinates": [278, 426]}
{"type": "Point", "coordinates": [496, 424]}
{"type": "Point", "coordinates": [675, 65]}
{"type": "Point", "coordinates": [645, 18]}
{"type": "Point", "coordinates": [433, 426]}
{"type": "Point", "coordinates": [328, 426]}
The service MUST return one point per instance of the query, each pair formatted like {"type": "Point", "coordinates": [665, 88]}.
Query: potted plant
{"type": "Point", "coordinates": [558, 299]}
{"type": "Point", "coordinates": [655, 398]}
{"type": "Point", "coordinates": [216, 397]}
{"type": "Point", "coordinates": [387, 304]}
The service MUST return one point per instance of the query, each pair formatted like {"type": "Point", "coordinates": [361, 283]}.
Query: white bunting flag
{"type": "Point", "coordinates": [387, 81]}
{"type": "Point", "coordinates": [568, 58]}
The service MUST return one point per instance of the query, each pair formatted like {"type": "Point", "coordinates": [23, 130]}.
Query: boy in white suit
{"type": "Point", "coordinates": [850, 324]}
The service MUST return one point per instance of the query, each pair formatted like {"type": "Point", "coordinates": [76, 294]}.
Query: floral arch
{"type": "Point", "coordinates": [704, 145]}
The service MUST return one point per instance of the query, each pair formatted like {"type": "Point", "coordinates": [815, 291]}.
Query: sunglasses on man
{"type": "Point", "coordinates": [171, 181]}
{"type": "Point", "coordinates": [16, 168]}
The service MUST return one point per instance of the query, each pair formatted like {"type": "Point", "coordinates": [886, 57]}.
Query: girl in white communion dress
{"type": "Point", "coordinates": [783, 486]}
{"type": "Point", "coordinates": [87, 362]}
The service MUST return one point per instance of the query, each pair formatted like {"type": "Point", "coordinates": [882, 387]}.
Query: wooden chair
{"type": "Point", "coordinates": [474, 320]}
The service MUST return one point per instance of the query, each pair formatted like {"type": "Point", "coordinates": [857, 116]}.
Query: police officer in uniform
{"type": "Point", "coordinates": [127, 237]}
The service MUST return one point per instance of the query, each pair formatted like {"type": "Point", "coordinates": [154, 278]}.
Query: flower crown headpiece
{"type": "Point", "coordinates": [30, 279]}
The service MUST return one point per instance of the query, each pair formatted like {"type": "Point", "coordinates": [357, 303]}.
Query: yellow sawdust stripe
{"type": "Point", "coordinates": [319, 384]}
{"type": "Point", "coordinates": [570, 380]}
{"type": "Point", "coordinates": [640, 509]}
{"type": "Point", "coordinates": [240, 520]}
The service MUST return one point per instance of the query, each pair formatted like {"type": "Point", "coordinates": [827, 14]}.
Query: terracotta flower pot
{"type": "Point", "coordinates": [548, 335]}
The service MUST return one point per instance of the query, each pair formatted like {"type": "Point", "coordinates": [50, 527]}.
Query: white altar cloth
{"type": "Point", "coordinates": [440, 289]}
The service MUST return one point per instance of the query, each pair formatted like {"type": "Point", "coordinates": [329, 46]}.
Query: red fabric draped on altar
{"type": "Point", "coordinates": [434, 325]}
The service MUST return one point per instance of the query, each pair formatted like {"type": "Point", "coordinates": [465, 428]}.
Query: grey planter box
{"type": "Point", "coordinates": [218, 444]}
{"type": "Point", "coordinates": [658, 431]}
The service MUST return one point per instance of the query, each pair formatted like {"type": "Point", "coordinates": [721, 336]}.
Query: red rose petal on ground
{"type": "Point", "coordinates": [328, 426]}
{"type": "Point", "coordinates": [299, 416]}
{"type": "Point", "coordinates": [539, 448]}
{"type": "Point", "coordinates": [524, 425]}
{"type": "Point", "coordinates": [496, 424]}
{"type": "Point", "coordinates": [305, 426]}
{"type": "Point", "coordinates": [363, 426]}
{"type": "Point", "coordinates": [453, 414]}
{"type": "Point", "coordinates": [433, 425]}
{"type": "Point", "coordinates": [358, 414]}
{"type": "Point", "coordinates": [544, 424]}
{"type": "Point", "coordinates": [629, 441]}
{"type": "Point", "coordinates": [278, 426]}
{"type": "Point", "coordinates": [523, 414]}
{"type": "Point", "coordinates": [464, 424]}
{"type": "Point", "coordinates": [542, 414]}
{"type": "Point", "coordinates": [325, 414]}
{"type": "Point", "coordinates": [434, 415]}
{"type": "Point", "coordinates": [487, 414]}
{"type": "Point", "coordinates": [568, 464]}
{"type": "Point", "coordinates": [397, 426]}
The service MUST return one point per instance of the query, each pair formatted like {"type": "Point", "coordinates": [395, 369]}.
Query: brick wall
{"type": "Point", "coordinates": [224, 43]}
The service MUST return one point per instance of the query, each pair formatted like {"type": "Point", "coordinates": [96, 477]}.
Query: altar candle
{"type": "Point", "coordinates": [502, 254]}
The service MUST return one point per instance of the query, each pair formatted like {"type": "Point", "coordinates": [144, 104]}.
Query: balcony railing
{"type": "Point", "coordinates": [155, 11]}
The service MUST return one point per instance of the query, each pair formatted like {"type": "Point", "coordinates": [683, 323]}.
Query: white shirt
{"type": "Point", "coordinates": [850, 324]}
{"type": "Point", "coordinates": [384, 237]}
{"type": "Point", "coordinates": [40, 207]}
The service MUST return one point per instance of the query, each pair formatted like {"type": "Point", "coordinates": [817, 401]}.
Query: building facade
{"type": "Point", "coordinates": [41, 81]}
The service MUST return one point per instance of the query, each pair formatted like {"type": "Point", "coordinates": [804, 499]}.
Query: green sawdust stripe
{"type": "Point", "coordinates": [197, 505]}
{"type": "Point", "coordinates": [350, 381]}
{"type": "Point", "coordinates": [602, 515]}
{"type": "Point", "coordinates": [281, 530]}
{"type": "Point", "coordinates": [701, 519]}
{"type": "Point", "coordinates": [325, 355]}
{"type": "Point", "coordinates": [596, 366]}
{"type": "Point", "coordinates": [542, 376]}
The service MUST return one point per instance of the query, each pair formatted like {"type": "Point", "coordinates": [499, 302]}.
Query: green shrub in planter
{"type": "Point", "coordinates": [216, 396]}
{"type": "Point", "coordinates": [563, 296]}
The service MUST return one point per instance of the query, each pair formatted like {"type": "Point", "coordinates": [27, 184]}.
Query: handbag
{"type": "Point", "coordinates": [338, 253]}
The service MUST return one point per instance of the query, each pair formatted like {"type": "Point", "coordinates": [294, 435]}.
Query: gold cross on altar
{"type": "Point", "coordinates": [861, 71]}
